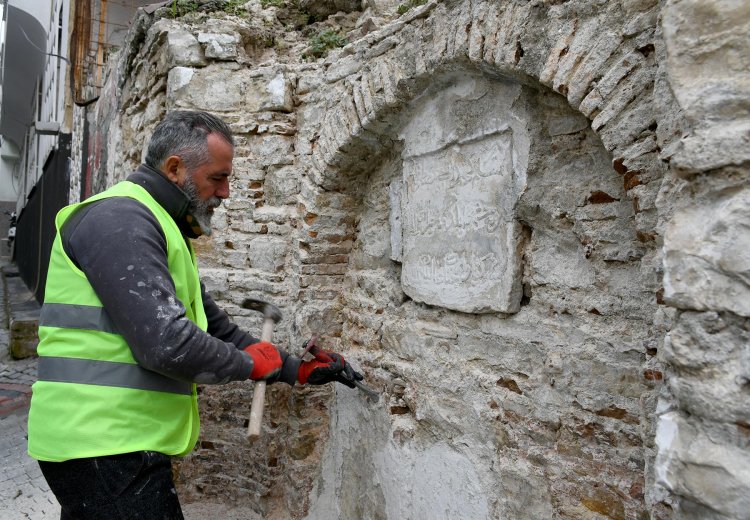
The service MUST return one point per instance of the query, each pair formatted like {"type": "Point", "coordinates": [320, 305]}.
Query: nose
{"type": "Point", "coordinates": [223, 189]}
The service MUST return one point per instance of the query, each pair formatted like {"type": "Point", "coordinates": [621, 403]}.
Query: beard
{"type": "Point", "coordinates": [201, 210]}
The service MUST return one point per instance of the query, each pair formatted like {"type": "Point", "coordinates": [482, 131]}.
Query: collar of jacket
{"type": "Point", "coordinates": [169, 196]}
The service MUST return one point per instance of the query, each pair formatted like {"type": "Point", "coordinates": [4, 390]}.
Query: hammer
{"type": "Point", "coordinates": [271, 315]}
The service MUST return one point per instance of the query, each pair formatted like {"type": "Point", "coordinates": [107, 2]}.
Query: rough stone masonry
{"type": "Point", "coordinates": [527, 223]}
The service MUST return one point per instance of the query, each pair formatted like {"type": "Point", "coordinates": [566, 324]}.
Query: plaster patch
{"type": "Point", "coordinates": [666, 433]}
{"type": "Point", "coordinates": [435, 483]}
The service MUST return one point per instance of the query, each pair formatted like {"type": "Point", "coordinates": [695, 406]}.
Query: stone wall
{"type": "Point", "coordinates": [522, 220]}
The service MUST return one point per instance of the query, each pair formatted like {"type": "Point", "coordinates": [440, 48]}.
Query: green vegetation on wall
{"type": "Point", "coordinates": [408, 5]}
{"type": "Point", "coordinates": [324, 41]}
{"type": "Point", "coordinates": [180, 8]}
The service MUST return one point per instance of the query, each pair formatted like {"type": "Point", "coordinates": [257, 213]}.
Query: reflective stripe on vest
{"type": "Point", "coordinates": [66, 316]}
{"type": "Point", "coordinates": [108, 373]}
{"type": "Point", "coordinates": [93, 372]}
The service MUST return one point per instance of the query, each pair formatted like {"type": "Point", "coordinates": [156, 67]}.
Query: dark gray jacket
{"type": "Point", "coordinates": [120, 246]}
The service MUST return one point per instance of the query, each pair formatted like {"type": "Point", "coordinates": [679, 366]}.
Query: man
{"type": "Point", "coordinates": [127, 329]}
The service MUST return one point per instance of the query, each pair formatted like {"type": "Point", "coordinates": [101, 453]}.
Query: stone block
{"type": "Point", "coordinates": [546, 268]}
{"type": "Point", "coordinates": [476, 273]}
{"type": "Point", "coordinates": [183, 49]}
{"type": "Point", "coordinates": [215, 280]}
{"type": "Point", "coordinates": [622, 95]}
{"type": "Point", "coordinates": [281, 185]}
{"type": "Point", "coordinates": [706, 259]}
{"type": "Point", "coordinates": [223, 87]}
{"type": "Point", "coordinates": [707, 45]}
{"type": "Point", "coordinates": [177, 81]}
{"type": "Point", "coordinates": [591, 66]}
{"type": "Point", "coordinates": [585, 38]}
{"type": "Point", "coordinates": [343, 68]}
{"type": "Point", "coordinates": [24, 336]}
{"type": "Point", "coordinates": [566, 124]}
{"type": "Point", "coordinates": [710, 355]}
{"type": "Point", "coordinates": [275, 150]}
{"type": "Point", "coordinates": [267, 253]}
{"type": "Point", "coordinates": [712, 146]}
{"type": "Point", "coordinates": [642, 22]}
{"type": "Point", "coordinates": [565, 35]}
{"type": "Point", "coordinates": [621, 69]}
{"type": "Point", "coordinates": [450, 467]}
{"type": "Point", "coordinates": [634, 121]}
{"type": "Point", "coordinates": [462, 171]}
{"type": "Point", "coordinates": [220, 46]}
{"type": "Point", "coordinates": [277, 94]}
{"type": "Point", "coordinates": [697, 469]}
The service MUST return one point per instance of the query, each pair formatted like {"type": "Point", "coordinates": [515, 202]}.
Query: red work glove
{"type": "Point", "coordinates": [327, 367]}
{"type": "Point", "coordinates": [266, 360]}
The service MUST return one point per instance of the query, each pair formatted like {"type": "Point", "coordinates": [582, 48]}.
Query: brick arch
{"type": "Point", "coordinates": [604, 74]}
{"type": "Point", "coordinates": [610, 82]}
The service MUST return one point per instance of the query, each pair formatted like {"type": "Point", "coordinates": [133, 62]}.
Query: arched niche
{"type": "Point", "coordinates": [495, 292]}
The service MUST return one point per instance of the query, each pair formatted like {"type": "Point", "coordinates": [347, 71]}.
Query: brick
{"type": "Point", "coordinates": [609, 81]}
{"type": "Point", "coordinates": [492, 30]}
{"type": "Point", "coordinates": [629, 124]}
{"type": "Point", "coordinates": [319, 280]}
{"type": "Point", "coordinates": [557, 52]}
{"type": "Point", "coordinates": [458, 44]}
{"type": "Point", "coordinates": [591, 66]}
{"type": "Point", "coordinates": [324, 269]}
{"type": "Point", "coordinates": [636, 84]}
{"type": "Point", "coordinates": [580, 45]}
{"type": "Point", "coordinates": [509, 31]}
{"type": "Point", "coordinates": [478, 32]}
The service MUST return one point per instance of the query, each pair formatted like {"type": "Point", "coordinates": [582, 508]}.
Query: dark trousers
{"type": "Point", "coordinates": [117, 487]}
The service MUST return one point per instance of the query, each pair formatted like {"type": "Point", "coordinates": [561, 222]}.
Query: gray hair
{"type": "Point", "coordinates": [185, 133]}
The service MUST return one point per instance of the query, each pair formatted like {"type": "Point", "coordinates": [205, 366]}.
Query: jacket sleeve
{"type": "Point", "coordinates": [122, 250]}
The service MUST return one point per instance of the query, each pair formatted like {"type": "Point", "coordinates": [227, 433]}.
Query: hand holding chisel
{"type": "Point", "coordinates": [348, 376]}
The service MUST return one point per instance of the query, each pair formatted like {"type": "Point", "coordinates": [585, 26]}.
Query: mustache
{"type": "Point", "coordinates": [213, 202]}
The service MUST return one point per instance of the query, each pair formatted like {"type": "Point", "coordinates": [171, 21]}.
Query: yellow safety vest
{"type": "Point", "coordinates": [92, 398]}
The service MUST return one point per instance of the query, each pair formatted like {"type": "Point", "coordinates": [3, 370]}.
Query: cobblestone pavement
{"type": "Point", "coordinates": [24, 493]}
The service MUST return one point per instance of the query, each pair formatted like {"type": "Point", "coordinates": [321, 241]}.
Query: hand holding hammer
{"type": "Point", "coordinates": [271, 315]}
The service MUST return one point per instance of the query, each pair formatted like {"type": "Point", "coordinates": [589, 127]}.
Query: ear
{"type": "Point", "coordinates": [175, 169]}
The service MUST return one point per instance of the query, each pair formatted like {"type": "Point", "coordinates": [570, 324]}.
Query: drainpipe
{"type": "Point", "coordinates": [84, 155]}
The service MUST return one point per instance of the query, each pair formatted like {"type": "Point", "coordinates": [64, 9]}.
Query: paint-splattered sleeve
{"type": "Point", "coordinates": [121, 248]}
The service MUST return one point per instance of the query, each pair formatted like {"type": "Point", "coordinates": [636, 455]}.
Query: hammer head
{"type": "Point", "coordinates": [269, 310]}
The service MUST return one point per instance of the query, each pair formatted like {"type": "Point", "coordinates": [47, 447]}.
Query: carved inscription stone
{"type": "Point", "coordinates": [464, 167]}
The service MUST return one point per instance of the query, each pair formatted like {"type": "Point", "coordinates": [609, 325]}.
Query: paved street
{"type": "Point", "coordinates": [23, 491]}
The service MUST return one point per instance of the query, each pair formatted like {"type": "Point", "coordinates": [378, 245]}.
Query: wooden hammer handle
{"type": "Point", "coordinates": [259, 392]}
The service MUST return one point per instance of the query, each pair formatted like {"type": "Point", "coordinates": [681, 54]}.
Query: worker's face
{"type": "Point", "coordinates": [208, 183]}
